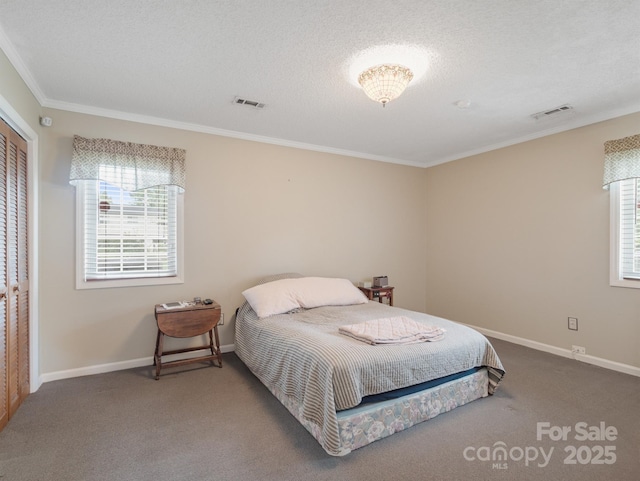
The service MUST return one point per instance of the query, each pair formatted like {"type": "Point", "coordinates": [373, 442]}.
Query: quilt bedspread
{"type": "Point", "coordinates": [303, 357]}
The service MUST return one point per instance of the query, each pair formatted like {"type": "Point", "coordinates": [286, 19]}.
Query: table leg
{"type": "Point", "coordinates": [155, 353]}
{"type": "Point", "coordinates": [215, 330]}
{"type": "Point", "coordinates": [158, 357]}
{"type": "Point", "coordinates": [211, 346]}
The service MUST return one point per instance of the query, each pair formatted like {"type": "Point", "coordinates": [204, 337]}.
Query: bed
{"type": "Point", "coordinates": [348, 393]}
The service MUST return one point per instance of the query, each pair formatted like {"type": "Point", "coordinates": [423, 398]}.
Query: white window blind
{"type": "Point", "coordinates": [129, 235]}
{"type": "Point", "coordinates": [622, 176]}
{"type": "Point", "coordinates": [629, 229]}
{"type": "Point", "coordinates": [129, 213]}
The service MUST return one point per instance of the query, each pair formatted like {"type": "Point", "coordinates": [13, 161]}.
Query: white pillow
{"type": "Point", "coordinates": [284, 295]}
{"type": "Point", "coordinates": [276, 297]}
{"type": "Point", "coordinates": [324, 291]}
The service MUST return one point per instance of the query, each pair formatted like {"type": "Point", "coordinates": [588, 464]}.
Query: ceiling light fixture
{"type": "Point", "coordinates": [385, 82]}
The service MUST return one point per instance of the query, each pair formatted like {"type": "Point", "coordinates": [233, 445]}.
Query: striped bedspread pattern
{"type": "Point", "coordinates": [302, 356]}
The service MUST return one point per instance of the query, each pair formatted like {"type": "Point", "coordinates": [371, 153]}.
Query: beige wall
{"type": "Point", "coordinates": [518, 240]}
{"type": "Point", "coordinates": [515, 240]}
{"type": "Point", "coordinates": [251, 210]}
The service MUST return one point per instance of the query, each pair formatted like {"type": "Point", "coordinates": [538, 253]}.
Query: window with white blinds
{"type": "Point", "coordinates": [129, 213]}
{"type": "Point", "coordinates": [128, 238]}
{"type": "Point", "coordinates": [625, 233]}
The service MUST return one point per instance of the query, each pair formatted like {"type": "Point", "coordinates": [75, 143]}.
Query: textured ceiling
{"type": "Point", "coordinates": [181, 63]}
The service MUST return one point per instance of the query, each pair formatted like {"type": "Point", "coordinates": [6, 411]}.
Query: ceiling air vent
{"type": "Point", "coordinates": [248, 103]}
{"type": "Point", "coordinates": [561, 111]}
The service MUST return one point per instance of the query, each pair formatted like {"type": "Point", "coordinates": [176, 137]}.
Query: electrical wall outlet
{"type": "Point", "coordinates": [221, 321]}
{"type": "Point", "coordinates": [578, 350]}
{"type": "Point", "coordinates": [573, 323]}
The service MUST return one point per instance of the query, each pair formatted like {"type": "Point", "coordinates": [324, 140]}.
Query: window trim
{"type": "Point", "coordinates": [81, 283]}
{"type": "Point", "coordinates": [615, 272]}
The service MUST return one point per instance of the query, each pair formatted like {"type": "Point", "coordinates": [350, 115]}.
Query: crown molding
{"type": "Point", "coordinates": [158, 121]}
{"type": "Point", "coordinates": [575, 124]}
{"type": "Point", "coordinates": [15, 60]}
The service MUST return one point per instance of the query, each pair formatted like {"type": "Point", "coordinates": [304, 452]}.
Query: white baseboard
{"type": "Point", "coordinates": [119, 366]}
{"type": "Point", "coordinates": [148, 361]}
{"type": "Point", "coordinates": [596, 361]}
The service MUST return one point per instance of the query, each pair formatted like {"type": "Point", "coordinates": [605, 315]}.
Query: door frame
{"type": "Point", "coordinates": [17, 123]}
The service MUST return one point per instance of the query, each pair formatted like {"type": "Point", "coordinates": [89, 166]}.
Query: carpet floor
{"type": "Point", "coordinates": [204, 423]}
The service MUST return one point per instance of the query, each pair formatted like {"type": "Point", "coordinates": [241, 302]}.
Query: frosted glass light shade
{"type": "Point", "coordinates": [385, 82]}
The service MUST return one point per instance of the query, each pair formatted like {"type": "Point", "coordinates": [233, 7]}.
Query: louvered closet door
{"type": "Point", "coordinates": [14, 281]}
{"type": "Point", "coordinates": [4, 385]}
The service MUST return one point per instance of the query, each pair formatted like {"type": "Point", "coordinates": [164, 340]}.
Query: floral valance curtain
{"type": "Point", "coordinates": [621, 160]}
{"type": "Point", "coordinates": [127, 165]}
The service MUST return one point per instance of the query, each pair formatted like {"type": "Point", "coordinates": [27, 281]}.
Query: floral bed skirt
{"type": "Point", "coordinates": [365, 424]}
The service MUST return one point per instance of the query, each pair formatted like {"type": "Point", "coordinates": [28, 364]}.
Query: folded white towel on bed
{"type": "Point", "coordinates": [392, 330]}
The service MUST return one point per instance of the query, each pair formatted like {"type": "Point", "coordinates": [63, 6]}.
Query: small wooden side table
{"type": "Point", "coordinates": [188, 321]}
{"type": "Point", "coordinates": [379, 293]}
